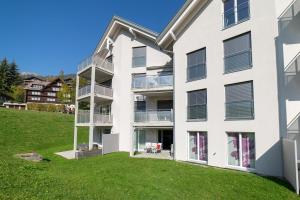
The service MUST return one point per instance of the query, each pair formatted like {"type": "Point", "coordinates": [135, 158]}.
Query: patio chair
{"type": "Point", "coordinates": [158, 147]}
{"type": "Point", "coordinates": [154, 147]}
{"type": "Point", "coordinates": [148, 147]}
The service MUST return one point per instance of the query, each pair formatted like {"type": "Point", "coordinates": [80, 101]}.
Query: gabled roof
{"type": "Point", "coordinates": [180, 20]}
{"type": "Point", "coordinates": [116, 20]}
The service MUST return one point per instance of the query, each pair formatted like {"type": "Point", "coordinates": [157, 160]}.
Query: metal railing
{"type": "Point", "coordinates": [235, 15]}
{"type": "Point", "coordinates": [103, 118]}
{"type": "Point", "coordinates": [99, 89]}
{"type": "Point", "coordinates": [153, 116]}
{"type": "Point", "coordinates": [84, 91]}
{"type": "Point", "coordinates": [240, 110]}
{"type": "Point", "coordinates": [103, 90]}
{"type": "Point", "coordinates": [149, 82]}
{"type": "Point", "coordinates": [98, 62]}
{"type": "Point", "coordinates": [83, 117]}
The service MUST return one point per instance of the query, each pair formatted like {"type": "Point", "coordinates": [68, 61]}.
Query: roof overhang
{"type": "Point", "coordinates": [113, 27]}
{"type": "Point", "coordinates": [178, 23]}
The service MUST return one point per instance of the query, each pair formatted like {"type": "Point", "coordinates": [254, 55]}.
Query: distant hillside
{"type": "Point", "coordinates": [25, 75]}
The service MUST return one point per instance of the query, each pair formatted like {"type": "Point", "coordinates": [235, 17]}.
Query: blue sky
{"type": "Point", "coordinates": [46, 36]}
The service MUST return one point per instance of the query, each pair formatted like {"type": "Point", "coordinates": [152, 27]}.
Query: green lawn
{"type": "Point", "coordinates": [114, 176]}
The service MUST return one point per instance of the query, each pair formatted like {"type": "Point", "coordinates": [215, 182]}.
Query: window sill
{"type": "Point", "coordinates": [238, 70]}
{"type": "Point", "coordinates": [196, 120]}
{"type": "Point", "coordinates": [239, 119]}
{"type": "Point", "coordinates": [199, 79]}
{"type": "Point", "coordinates": [236, 23]}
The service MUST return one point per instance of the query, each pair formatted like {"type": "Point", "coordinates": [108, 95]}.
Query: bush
{"type": "Point", "coordinates": [46, 107]}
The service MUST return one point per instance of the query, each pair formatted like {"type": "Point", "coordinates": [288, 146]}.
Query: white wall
{"type": "Point", "coordinates": [123, 103]}
{"type": "Point", "coordinates": [206, 31]}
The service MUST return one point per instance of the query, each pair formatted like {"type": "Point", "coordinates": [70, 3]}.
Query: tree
{"type": "Point", "coordinates": [18, 94]}
{"type": "Point", "coordinates": [9, 77]}
{"type": "Point", "coordinates": [61, 75]}
{"type": "Point", "coordinates": [64, 94]}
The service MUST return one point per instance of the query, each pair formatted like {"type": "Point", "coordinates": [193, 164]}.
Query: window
{"type": "Point", "coordinates": [139, 57]}
{"type": "Point", "coordinates": [239, 101]}
{"type": "Point", "coordinates": [35, 93]}
{"type": "Point", "coordinates": [198, 146]}
{"type": "Point", "coordinates": [140, 105]}
{"type": "Point", "coordinates": [51, 94]}
{"type": "Point", "coordinates": [196, 109]}
{"type": "Point", "coordinates": [235, 11]}
{"type": "Point", "coordinates": [56, 89]}
{"type": "Point", "coordinates": [237, 53]}
{"type": "Point", "coordinates": [59, 84]}
{"type": "Point", "coordinates": [50, 99]}
{"type": "Point", "coordinates": [35, 98]}
{"type": "Point", "coordinates": [37, 86]}
{"type": "Point", "coordinates": [241, 149]}
{"type": "Point", "coordinates": [139, 81]}
{"type": "Point", "coordinates": [196, 65]}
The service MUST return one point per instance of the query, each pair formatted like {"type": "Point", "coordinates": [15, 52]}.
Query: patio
{"type": "Point", "coordinates": [164, 154]}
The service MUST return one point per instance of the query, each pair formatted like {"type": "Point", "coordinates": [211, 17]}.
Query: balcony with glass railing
{"type": "Point", "coordinates": [154, 117]}
{"type": "Point", "coordinates": [98, 62]}
{"type": "Point", "coordinates": [161, 82]}
{"type": "Point", "coordinates": [83, 117]}
{"type": "Point", "coordinates": [236, 14]}
{"type": "Point", "coordinates": [100, 91]}
{"type": "Point", "coordinates": [289, 14]}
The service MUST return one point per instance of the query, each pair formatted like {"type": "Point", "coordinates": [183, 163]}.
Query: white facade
{"type": "Point", "coordinates": [198, 25]}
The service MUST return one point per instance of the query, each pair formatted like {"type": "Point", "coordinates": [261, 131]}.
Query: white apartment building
{"type": "Point", "coordinates": [219, 86]}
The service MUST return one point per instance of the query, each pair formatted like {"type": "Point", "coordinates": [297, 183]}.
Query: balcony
{"type": "Point", "coordinates": [83, 118]}
{"type": "Point", "coordinates": [236, 15]}
{"type": "Point", "coordinates": [98, 62]}
{"type": "Point", "coordinates": [100, 91]}
{"type": "Point", "coordinates": [289, 14]}
{"type": "Point", "coordinates": [153, 118]}
{"type": "Point", "coordinates": [152, 83]}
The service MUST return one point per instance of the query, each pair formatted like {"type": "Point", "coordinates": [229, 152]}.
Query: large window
{"type": "Point", "coordinates": [241, 149]}
{"type": "Point", "coordinates": [237, 53]}
{"type": "Point", "coordinates": [196, 109]}
{"type": "Point", "coordinates": [235, 11]}
{"type": "Point", "coordinates": [139, 140]}
{"type": "Point", "coordinates": [139, 57]}
{"type": "Point", "coordinates": [239, 101]}
{"type": "Point", "coordinates": [196, 65]}
{"type": "Point", "coordinates": [198, 146]}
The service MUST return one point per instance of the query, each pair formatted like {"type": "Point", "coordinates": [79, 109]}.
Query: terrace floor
{"type": "Point", "coordinates": [162, 155]}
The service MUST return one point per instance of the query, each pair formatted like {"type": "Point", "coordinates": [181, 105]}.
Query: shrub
{"type": "Point", "coordinates": [46, 107]}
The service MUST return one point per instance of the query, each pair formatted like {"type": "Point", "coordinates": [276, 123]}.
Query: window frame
{"type": "Point", "coordinates": [187, 107]}
{"type": "Point", "coordinates": [198, 155]}
{"type": "Point", "coordinates": [205, 65]}
{"type": "Point", "coordinates": [132, 63]}
{"type": "Point", "coordinates": [240, 166]}
{"type": "Point", "coordinates": [235, 13]}
{"type": "Point", "coordinates": [253, 108]}
{"type": "Point", "coordinates": [250, 51]}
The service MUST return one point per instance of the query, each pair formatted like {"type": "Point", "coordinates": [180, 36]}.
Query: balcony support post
{"type": "Point", "coordinates": [76, 113]}
{"type": "Point", "coordinates": [92, 108]}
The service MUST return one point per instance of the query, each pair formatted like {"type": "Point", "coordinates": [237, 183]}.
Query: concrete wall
{"type": "Point", "coordinates": [290, 163]}
{"type": "Point", "coordinates": [123, 103]}
{"type": "Point", "coordinates": [206, 31]}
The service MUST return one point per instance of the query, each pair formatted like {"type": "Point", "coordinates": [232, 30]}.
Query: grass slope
{"type": "Point", "coordinates": [114, 176]}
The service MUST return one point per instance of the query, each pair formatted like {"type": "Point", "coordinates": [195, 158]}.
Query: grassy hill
{"type": "Point", "coordinates": [114, 176]}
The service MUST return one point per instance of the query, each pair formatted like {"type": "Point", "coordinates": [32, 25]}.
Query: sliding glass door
{"type": "Point", "coordinates": [139, 140]}
{"type": "Point", "coordinates": [198, 146]}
